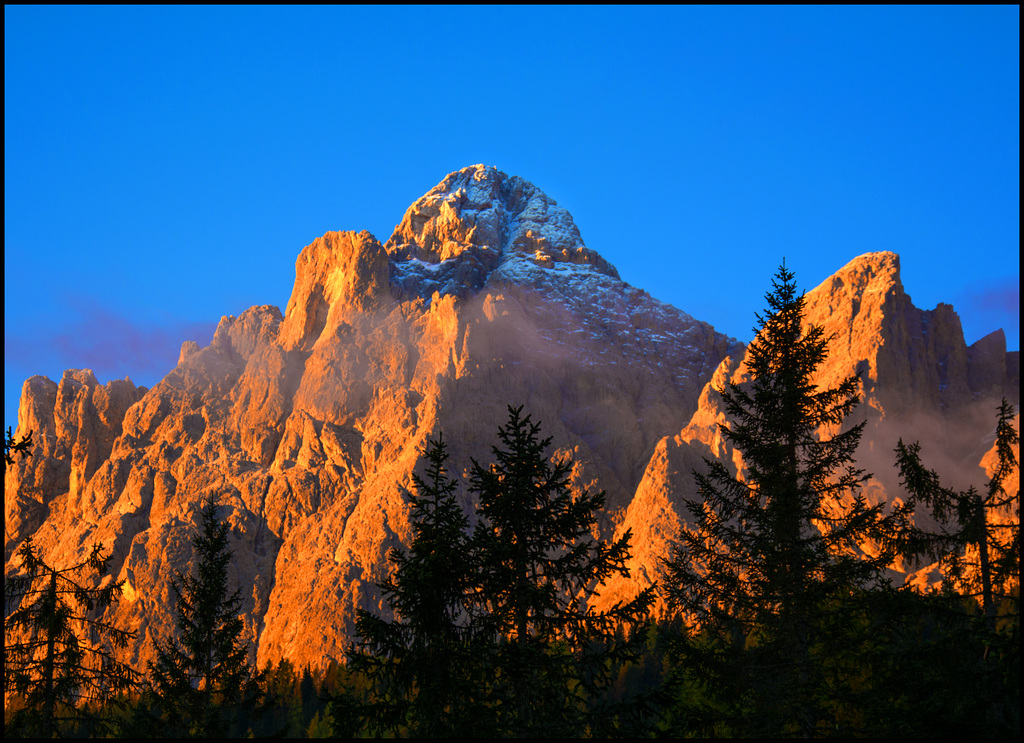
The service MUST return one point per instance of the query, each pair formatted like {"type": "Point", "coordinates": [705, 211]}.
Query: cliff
{"type": "Point", "coordinates": [308, 424]}
{"type": "Point", "coordinates": [918, 380]}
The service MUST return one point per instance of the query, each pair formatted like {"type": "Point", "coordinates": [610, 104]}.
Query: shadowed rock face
{"type": "Point", "coordinates": [308, 425]}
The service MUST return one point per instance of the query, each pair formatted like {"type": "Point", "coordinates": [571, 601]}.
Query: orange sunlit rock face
{"type": "Point", "coordinates": [308, 424]}
{"type": "Point", "coordinates": [919, 381]}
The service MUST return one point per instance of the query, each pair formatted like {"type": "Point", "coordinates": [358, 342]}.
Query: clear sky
{"type": "Point", "coordinates": [164, 166]}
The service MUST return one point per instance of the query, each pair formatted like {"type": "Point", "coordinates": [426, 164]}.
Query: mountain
{"type": "Point", "coordinates": [918, 381]}
{"type": "Point", "coordinates": [308, 424]}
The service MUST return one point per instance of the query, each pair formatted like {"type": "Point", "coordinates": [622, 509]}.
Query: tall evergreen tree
{"type": "Point", "coordinates": [202, 683]}
{"type": "Point", "coordinates": [978, 537]}
{"type": "Point", "coordinates": [770, 570]}
{"type": "Point", "coordinates": [973, 625]}
{"type": "Point", "coordinates": [538, 567]}
{"type": "Point", "coordinates": [423, 665]}
{"type": "Point", "coordinates": [59, 654]}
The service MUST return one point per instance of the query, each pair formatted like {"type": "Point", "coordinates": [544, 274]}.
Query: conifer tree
{"type": "Point", "coordinates": [969, 520]}
{"type": "Point", "coordinates": [14, 447]}
{"type": "Point", "coordinates": [421, 664]}
{"type": "Point", "coordinates": [973, 625]}
{"type": "Point", "coordinates": [770, 571]}
{"type": "Point", "coordinates": [538, 565]}
{"type": "Point", "coordinates": [59, 654]}
{"type": "Point", "coordinates": [202, 683]}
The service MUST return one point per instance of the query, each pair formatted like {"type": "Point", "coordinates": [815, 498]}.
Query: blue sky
{"type": "Point", "coordinates": [165, 166]}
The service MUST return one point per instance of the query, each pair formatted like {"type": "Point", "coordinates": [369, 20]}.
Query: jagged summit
{"type": "Point", "coordinates": [481, 237]}
{"type": "Point", "coordinates": [479, 220]}
{"type": "Point", "coordinates": [481, 233]}
{"type": "Point", "coordinates": [307, 425]}
{"type": "Point", "coordinates": [877, 272]}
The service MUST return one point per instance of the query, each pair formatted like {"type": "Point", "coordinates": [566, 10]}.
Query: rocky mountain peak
{"type": "Point", "coordinates": [478, 219]}
{"type": "Point", "coordinates": [307, 425]}
{"type": "Point", "coordinates": [335, 274]}
{"type": "Point", "coordinates": [877, 331]}
{"type": "Point", "coordinates": [478, 225]}
{"type": "Point", "coordinates": [919, 382]}
{"type": "Point", "coordinates": [877, 272]}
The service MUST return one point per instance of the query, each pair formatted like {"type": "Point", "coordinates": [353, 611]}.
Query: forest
{"type": "Point", "coordinates": [779, 623]}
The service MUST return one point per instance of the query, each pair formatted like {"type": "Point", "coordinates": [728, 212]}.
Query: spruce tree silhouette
{"type": "Point", "coordinates": [424, 665]}
{"type": "Point", "coordinates": [202, 684]}
{"type": "Point", "coordinates": [970, 630]}
{"type": "Point", "coordinates": [59, 654]}
{"type": "Point", "coordinates": [770, 569]}
{"type": "Point", "coordinates": [538, 565]}
{"type": "Point", "coordinates": [969, 520]}
{"type": "Point", "coordinates": [492, 635]}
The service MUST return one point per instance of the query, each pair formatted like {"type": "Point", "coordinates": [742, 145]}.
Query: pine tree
{"type": "Point", "coordinates": [769, 573]}
{"type": "Point", "coordinates": [202, 683]}
{"type": "Point", "coordinates": [974, 623]}
{"type": "Point", "coordinates": [59, 659]}
{"type": "Point", "coordinates": [538, 566]}
{"type": "Point", "coordinates": [421, 664]}
{"type": "Point", "coordinates": [988, 525]}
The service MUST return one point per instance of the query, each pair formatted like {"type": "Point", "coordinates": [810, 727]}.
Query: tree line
{"type": "Point", "coordinates": [783, 623]}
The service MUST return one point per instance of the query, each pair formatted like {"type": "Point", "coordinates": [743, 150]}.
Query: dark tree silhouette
{"type": "Point", "coordinates": [423, 666]}
{"type": "Point", "coordinates": [538, 566]}
{"type": "Point", "coordinates": [59, 660]}
{"type": "Point", "coordinates": [971, 630]}
{"type": "Point", "coordinates": [492, 635]}
{"type": "Point", "coordinates": [202, 683]}
{"type": "Point", "coordinates": [986, 525]}
{"type": "Point", "coordinates": [770, 570]}
{"type": "Point", "coordinates": [14, 447]}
